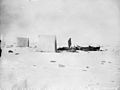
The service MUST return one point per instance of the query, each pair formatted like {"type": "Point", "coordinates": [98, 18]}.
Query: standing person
{"type": "Point", "coordinates": [0, 48]}
{"type": "Point", "coordinates": [69, 43]}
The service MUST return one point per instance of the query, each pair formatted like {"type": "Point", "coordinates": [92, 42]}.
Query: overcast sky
{"type": "Point", "coordinates": [85, 21]}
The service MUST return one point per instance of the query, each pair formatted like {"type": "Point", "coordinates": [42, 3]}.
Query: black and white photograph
{"type": "Point", "coordinates": [59, 44]}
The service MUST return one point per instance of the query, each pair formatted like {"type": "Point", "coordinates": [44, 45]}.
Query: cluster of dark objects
{"type": "Point", "coordinates": [76, 48]}
{"type": "Point", "coordinates": [10, 51]}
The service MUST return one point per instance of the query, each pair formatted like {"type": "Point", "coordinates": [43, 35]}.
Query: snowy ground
{"type": "Point", "coordinates": [60, 71]}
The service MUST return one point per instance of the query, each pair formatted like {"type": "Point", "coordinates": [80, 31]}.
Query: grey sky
{"type": "Point", "coordinates": [86, 21]}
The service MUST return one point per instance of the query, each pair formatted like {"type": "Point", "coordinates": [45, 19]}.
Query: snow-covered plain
{"type": "Point", "coordinates": [59, 71]}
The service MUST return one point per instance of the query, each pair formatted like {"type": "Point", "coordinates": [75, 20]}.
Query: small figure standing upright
{"type": "Point", "coordinates": [69, 43]}
{"type": "Point", "coordinates": [0, 49]}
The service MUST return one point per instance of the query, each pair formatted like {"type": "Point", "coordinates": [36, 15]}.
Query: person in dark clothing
{"type": "Point", "coordinates": [69, 43]}
{"type": "Point", "coordinates": [0, 49]}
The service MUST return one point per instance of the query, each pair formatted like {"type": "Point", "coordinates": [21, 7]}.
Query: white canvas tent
{"type": "Point", "coordinates": [22, 42]}
{"type": "Point", "coordinates": [47, 43]}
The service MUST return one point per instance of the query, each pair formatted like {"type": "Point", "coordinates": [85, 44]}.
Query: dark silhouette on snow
{"type": "Point", "coordinates": [69, 43]}
{"type": "Point", "coordinates": [0, 49]}
{"type": "Point", "coordinates": [10, 51]}
{"type": "Point", "coordinates": [89, 48]}
{"type": "Point", "coordinates": [75, 48]}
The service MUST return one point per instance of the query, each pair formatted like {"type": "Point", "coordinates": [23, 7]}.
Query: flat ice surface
{"type": "Point", "coordinates": [60, 71]}
{"type": "Point", "coordinates": [87, 22]}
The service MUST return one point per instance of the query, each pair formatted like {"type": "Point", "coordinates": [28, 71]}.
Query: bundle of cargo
{"type": "Point", "coordinates": [89, 48]}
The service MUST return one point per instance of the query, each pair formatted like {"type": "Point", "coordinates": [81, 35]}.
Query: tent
{"type": "Point", "coordinates": [47, 43]}
{"type": "Point", "coordinates": [22, 42]}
